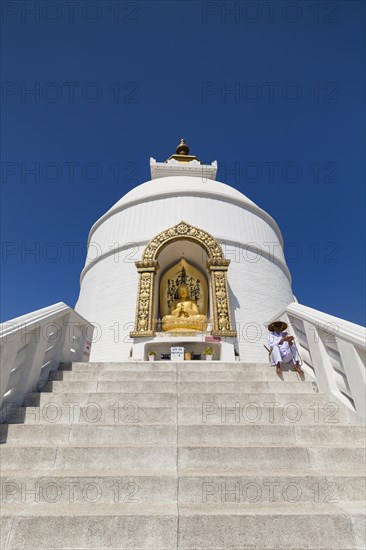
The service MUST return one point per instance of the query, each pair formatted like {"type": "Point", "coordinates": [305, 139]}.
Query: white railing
{"type": "Point", "coordinates": [33, 345]}
{"type": "Point", "coordinates": [333, 353]}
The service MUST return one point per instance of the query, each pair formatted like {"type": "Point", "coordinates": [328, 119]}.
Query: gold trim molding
{"type": "Point", "coordinates": [183, 230]}
{"type": "Point", "coordinates": [217, 266]}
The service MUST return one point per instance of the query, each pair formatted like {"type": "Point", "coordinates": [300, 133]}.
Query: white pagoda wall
{"type": "Point", "coordinates": [259, 283]}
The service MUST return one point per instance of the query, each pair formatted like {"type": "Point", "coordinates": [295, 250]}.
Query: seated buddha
{"type": "Point", "coordinates": [185, 315]}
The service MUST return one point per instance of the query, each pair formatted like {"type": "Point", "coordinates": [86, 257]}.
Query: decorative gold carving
{"type": "Point", "coordinates": [221, 309]}
{"type": "Point", "coordinates": [144, 308]}
{"type": "Point", "coordinates": [183, 229]}
{"type": "Point", "coordinates": [147, 265]}
{"type": "Point", "coordinates": [217, 265]}
{"type": "Point", "coordinates": [221, 264]}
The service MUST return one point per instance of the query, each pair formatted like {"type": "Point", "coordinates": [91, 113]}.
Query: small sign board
{"type": "Point", "coordinates": [212, 339]}
{"type": "Point", "coordinates": [177, 353]}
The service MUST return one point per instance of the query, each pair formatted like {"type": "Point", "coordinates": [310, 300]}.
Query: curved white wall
{"type": "Point", "coordinates": [260, 283]}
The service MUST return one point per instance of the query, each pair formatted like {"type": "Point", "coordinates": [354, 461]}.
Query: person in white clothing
{"type": "Point", "coordinates": [282, 347]}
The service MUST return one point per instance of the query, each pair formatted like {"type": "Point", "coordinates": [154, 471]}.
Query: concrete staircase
{"type": "Point", "coordinates": [194, 455]}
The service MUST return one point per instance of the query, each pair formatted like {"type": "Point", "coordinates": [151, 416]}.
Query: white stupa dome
{"type": "Point", "coordinates": [181, 185]}
{"type": "Point", "coordinates": [258, 277]}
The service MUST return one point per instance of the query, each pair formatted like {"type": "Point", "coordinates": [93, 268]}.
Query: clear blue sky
{"type": "Point", "coordinates": [117, 82]}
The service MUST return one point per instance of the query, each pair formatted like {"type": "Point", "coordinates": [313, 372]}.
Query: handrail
{"type": "Point", "coordinates": [333, 351]}
{"type": "Point", "coordinates": [33, 345]}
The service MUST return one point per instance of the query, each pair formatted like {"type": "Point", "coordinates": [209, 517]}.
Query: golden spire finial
{"type": "Point", "coordinates": [182, 154]}
{"type": "Point", "coordinates": [182, 148]}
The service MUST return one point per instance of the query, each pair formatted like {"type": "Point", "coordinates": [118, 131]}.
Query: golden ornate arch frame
{"type": "Point", "coordinates": [217, 265]}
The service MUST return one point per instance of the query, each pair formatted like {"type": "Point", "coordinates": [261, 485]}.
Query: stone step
{"type": "Point", "coordinates": [221, 399]}
{"type": "Point", "coordinates": [93, 486]}
{"type": "Point", "coordinates": [231, 412]}
{"type": "Point", "coordinates": [265, 457]}
{"type": "Point", "coordinates": [246, 387]}
{"type": "Point", "coordinates": [270, 434]}
{"type": "Point", "coordinates": [121, 486]}
{"type": "Point", "coordinates": [103, 399]}
{"type": "Point", "coordinates": [198, 367]}
{"type": "Point", "coordinates": [167, 366]}
{"type": "Point", "coordinates": [205, 457]}
{"type": "Point", "coordinates": [275, 486]}
{"type": "Point", "coordinates": [185, 435]}
{"type": "Point", "coordinates": [213, 527]}
{"type": "Point", "coordinates": [93, 413]}
{"type": "Point", "coordinates": [95, 386]}
{"type": "Point", "coordinates": [265, 375]}
{"type": "Point", "coordinates": [182, 387]}
{"type": "Point", "coordinates": [79, 434]}
{"type": "Point", "coordinates": [193, 434]}
{"type": "Point", "coordinates": [117, 412]}
{"type": "Point", "coordinates": [84, 526]}
{"type": "Point", "coordinates": [320, 404]}
{"type": "Point", "coordinates": [182, 376]}
{"type": "Point", "coordinates": [134, 366]}
{"type": "Point", "coordinates": [249, 526]}
{"type": "Point", "coordinates": [111, 376]}
{"type": "Point", "coordinates": [86, 457]}
{"type": "Point", "coordinates": [211, 366]}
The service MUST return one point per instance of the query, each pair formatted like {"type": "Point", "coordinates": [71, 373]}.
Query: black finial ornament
{"type": "Point", "coordinates": [182, 148]}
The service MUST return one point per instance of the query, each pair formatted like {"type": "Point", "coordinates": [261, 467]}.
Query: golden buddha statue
{"type": "Point", "coordinates": [185, 315]}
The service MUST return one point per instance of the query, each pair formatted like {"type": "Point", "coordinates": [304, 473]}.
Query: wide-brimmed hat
{"type": "Point", "coordinates": [271, 327]}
